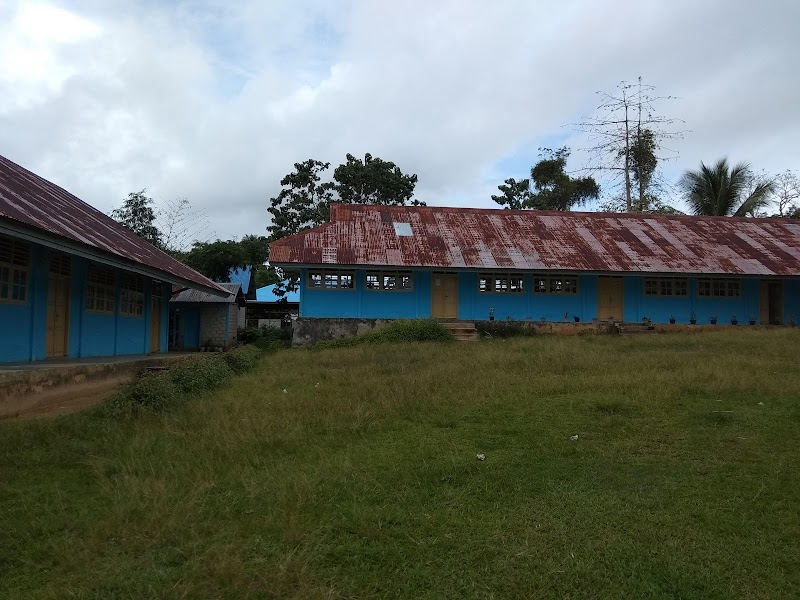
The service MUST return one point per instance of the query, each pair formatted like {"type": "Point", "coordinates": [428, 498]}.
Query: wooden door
{"type": "Point", "coordinates": [444, 296]}
{"type": "Point", "coordinates": [155, 321]}
{"type": "Point", "coordinates": [771, 303]}
{"type": "Point", "coordinates": [58, 295]}
{"type": "Point", "coordinates": [610, 294]}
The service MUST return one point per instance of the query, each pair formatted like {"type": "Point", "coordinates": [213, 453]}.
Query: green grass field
{"type": "Point", "coordinates": [361, 480]}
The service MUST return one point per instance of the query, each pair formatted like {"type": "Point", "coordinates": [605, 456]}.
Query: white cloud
{"type": "Point", "coordinates": [216, 100]}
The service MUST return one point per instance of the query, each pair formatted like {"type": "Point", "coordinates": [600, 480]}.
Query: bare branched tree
{"type": "Point", "coordinates": [626, 138]}
{"type": "Point", "coordinates": [786, 194]}
{"type": "Point", "coordinates": [181, 225]}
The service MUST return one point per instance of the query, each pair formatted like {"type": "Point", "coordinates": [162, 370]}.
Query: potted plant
{"type": "Point", "coordinates": [672, 319]}
{"type": "Point", "coordinates": [752, 320]}
{"type": "Point", "coordinates": [693, 319]}
{"type": "Point", "coordinates": [734, 320]}
{"type": "Point", "coordinates": [566, 317]}
{"type": "Point", "coordinates": [713, 319]}
{"type": "Point", "coordinates": [577, 318]}
{"type": "Point", "coordinates": [491, 313]}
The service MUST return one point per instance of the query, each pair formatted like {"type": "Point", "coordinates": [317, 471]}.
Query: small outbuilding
{"type": "Point", "coordinates": [202, 320]}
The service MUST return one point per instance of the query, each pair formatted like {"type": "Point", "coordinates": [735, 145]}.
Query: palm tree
{"type": "Point", "coordinates": [723, 191]}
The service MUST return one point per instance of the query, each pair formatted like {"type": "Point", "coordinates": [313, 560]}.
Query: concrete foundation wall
{"type": "Point", "coordinates": [310, 330]}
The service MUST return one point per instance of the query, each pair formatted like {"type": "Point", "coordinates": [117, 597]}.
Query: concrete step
{"type": "Point", "coordinates": [462, 331]}
{"type": "Point", "coordinates": [472, 337]}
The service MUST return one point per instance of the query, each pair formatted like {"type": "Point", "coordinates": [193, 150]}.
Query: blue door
{"type": "Point", "coordinates": [190, 328]}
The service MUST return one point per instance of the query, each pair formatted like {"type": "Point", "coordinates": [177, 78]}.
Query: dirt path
{"type": "Point", "coordinates": [61, 400]}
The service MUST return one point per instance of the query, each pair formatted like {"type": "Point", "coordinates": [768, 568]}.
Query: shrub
{"type": "Point", "coordinates": [262, 336]}
{"type": "Point", "coordinates": [418, 330]}
{"type": "Point", "coordinates": [276, 333]}
{"type": "Point", "coordinates": [248, 335]}
{"type": "Point", "coordinates": [243, 359]}
{"type": "Point", "coordinates": [152, 391]}
{"type": "Point", "coordinates": [202, 374]}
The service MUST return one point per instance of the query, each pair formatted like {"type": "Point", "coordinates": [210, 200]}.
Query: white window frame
{"type": "Point", "coordinates": [661, 285]}
{"type": "Point", "coordinates": [100, 290]}
{"type": "Point", "coordinates": [382, 279]}
{"type": "Point", "coordinates": [327, 276]}
{"type": "Point", "coordinates": [553, 284]}
{"type": "Point", "coordinates": [501, 283]}
{"type": "Point", "coordinates": [131, 296]}
{"type": "Point", "coordinates": [719, 287]}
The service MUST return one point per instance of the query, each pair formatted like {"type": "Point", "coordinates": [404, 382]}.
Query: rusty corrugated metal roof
{"type": "Point", "coordinates": [189, 295]}
{"type": "Point", "coordinates": [442, 237]}
{"type": "Point", "coordinates": [35, 202]}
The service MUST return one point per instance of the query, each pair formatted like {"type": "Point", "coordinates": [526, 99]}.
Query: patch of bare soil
{"type": "Point", "coordinates": [61, 400]}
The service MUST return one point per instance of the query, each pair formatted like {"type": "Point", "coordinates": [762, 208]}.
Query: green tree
{"type": "Point", "coordinates": [724, 191]}
{"type": "Point", "coordinates": [372, 181]}
{"type": "Point", "coordinates": [515, 194]}
{"type": "Point", "coordinates": [303, 202]}
{"type": "Point", "coordinates": [216, 259]}
{"type": "Point", "coordinates": [256, 251]}
{"type": "Point", "coordinates": [553, 188]}
{"type": "Point", "coordinates": [138, 215]}
{"type": "Point", "coordinates": [643, 162]}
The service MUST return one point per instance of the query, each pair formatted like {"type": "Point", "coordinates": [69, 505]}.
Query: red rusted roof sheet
{"type": "Point", "coordinates": [453, 238]}
{"type": "Point", "coordinates": [35, 202]}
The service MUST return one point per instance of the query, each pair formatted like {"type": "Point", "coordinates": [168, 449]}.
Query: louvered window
{"type": "Point", "coordinates": [100, 289]}
{"type": "Point", "coordinates": [131, 296]}
{"type": "Point", "coordinates": [14, 260]}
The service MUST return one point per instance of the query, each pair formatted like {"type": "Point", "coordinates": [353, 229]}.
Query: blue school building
{"type": "Point", "coordinates": [391, 262]}
{"type": "Point", "coordinates": [73, 282]}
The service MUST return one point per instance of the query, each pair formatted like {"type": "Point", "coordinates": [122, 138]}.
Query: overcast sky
{"type": "Point", "coordinates": [214, 100]}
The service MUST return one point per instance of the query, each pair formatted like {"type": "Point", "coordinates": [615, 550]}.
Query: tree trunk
{"type": "Point", "coordinates": [628, 202]}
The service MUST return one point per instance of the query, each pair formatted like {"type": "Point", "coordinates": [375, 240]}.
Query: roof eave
{"type": "Point", "coordinates": [687, 273]}
{"type": "Point", "coordinates": [36, 236]}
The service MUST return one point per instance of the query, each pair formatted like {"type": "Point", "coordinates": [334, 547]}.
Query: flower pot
{"type": "Point", "coordinates": [692, 321]}
{"type": "Point", "coordinates": [672, 321]}
{"type": "Point", "coordinates": [752, 321]}
{"type": "Point", "coordinates": [577, 319]}
{"type": "Point", "coordinates": [734, 322]}
{"type": "Point", "coordinates": [713, 321]}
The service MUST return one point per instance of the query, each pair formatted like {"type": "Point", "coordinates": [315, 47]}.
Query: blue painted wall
{"type": "Point", "coordinates": [23, 327]}
{"type": "Point", "coordinates": [474, 305]}
{"type": "Point", "coordinates": [368, 304]}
